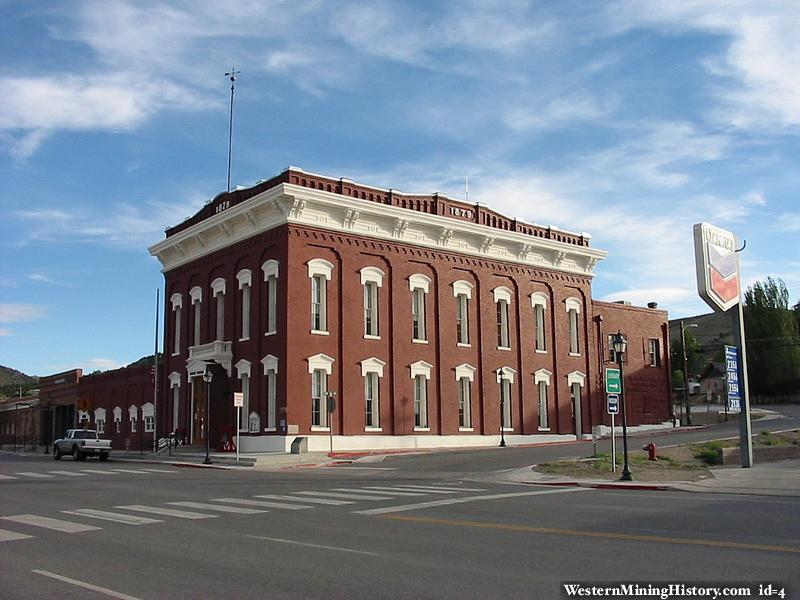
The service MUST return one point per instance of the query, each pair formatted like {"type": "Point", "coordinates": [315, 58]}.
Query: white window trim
{"type": "Point", "coordinates": [196, 294]}
{"type": "Point", "coordinates": [466, 429]}
{"type": "Point", "coordinates": [373, 429]}
{"type": "Point", "coordinates": [218, 286]}
{"type": "Point", "coordinates": [542, 375]}
{"type": "Point", "coordinates": [420, 368]}
{"type": "Point", "coordinates": [270, 363]}
{"type": "Point", "coordinates": [320, 361]}
{"type": "Point", "coordinates": [372, 365]}
{"type": "Point", "coordinates": [320, 266]}
{"type": "Point", "coordinates": [244, 277]}
{"type": "Point", "coordinates": [422, 428]}
{"type": "Point", "coordinates": [505, 373]}
{"type": "Point", "coordinates": [373, 274]}
{"type": "Point", "coordinates": [463, 287]}
{"type": "Point", "coordinates": [502, 293]}
{"type": "Point", "coordinates": [573, 303]}
{"type": "Point", "coordinates": [176, 300]}
{"type": "Point", "coordinates": [320, 428]}
{"type": "Point", "coordinates": [243, 367]}
{"type": "Point", "coordinates": [117, 413]}
{"type": "Point", "coordinates": [148, 410]}
{"type": "Point", "coordinates": [539, 299]}
{"type": "Point", "coordinates": [418, 281]}
{"type": "Point", "coordinates": [576, 377]}
{"type": "Point", "coordinates": [463, 345]}
{"type": "Point", "coordinates": [270, 267]}
{"type": "Point", "coordinates": [465, 370]}
{"type": "Point", "coordinates": [99, 414]}
{"type": "Point", "coordinates": [133, 412]}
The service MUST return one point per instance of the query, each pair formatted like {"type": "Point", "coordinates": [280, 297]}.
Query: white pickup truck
{"type": "Point", "coordinates": [81, 443]}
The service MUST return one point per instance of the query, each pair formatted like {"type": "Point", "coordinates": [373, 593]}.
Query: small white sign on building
{"type": "Point", "coordinates": [238, 399]}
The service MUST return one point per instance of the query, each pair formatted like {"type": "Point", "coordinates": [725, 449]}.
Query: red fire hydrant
{"type": "Point", "coordinates": [651, 451]}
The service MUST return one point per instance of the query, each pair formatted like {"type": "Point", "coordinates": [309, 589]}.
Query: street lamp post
{"type": "Point", "coordinates": [207, 377]}
{"type": "Point", "coordinates": [502, 421]}
{"type": "Point", "coordinates": [686, 371]}
{"type": "Point", "coordinates": [620, 345]}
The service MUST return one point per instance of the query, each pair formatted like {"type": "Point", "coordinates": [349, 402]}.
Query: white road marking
{"type": "Point", "coordinates": [169, 512]}
{"type": "Point", "coordinates": [160, 470]}
{"type": "Point", "coordinates": [88, 586]}
{"type": "Point", "coordinates": [264, 503]}
{"type": "Point", "coordinates": [462, 500]}
{"type": "Point", "coordinates": [111, 516]}
{"type": "Point", "coordinates": [311, 500]}
{"type": "Point", "coordinates": [98, 471]}
{"type": "Point", "coordinates": [35, 475]}
{"type": "Point", "coordinates": [130, 471]}
{"type": "Point", "coordinates": [219, 507]}
{"type": "Point", "coordinates": [48, 523]}
{"type": "Point", "coordinates": [441, 487]}
{"type": "Point", "coordinates": [320, 546]}
{"type": "Point", "coordinates": [346, 496]}
{"type": "Point", "coordinates": [7, 477]}
{"type": "Point", "coordinates": [68, 473]}
{"type": "Point", "coordinates": [374, 489]}
{"type": "Point", "coordinates": [7, 536]}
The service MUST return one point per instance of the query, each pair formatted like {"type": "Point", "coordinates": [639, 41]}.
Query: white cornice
{"type": "Point", "coordinates": [288, 203]}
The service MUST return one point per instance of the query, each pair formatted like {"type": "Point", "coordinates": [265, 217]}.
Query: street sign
{"type": "Point", "coordinates": [717, 266]}
{"type": "Point", "coordinates": [613, 382]}
{"type": "Point", "coordinates": [613, 404]}
{"type": "Point", "coordinates": [732, 378]}
{"type": "Point", "coordinates": [238, 399]}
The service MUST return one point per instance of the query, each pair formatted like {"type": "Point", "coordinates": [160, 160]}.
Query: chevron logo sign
{"type": "Point", "coordinates": [717, 266]}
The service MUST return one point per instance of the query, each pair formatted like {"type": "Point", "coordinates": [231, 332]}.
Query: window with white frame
{"type": "Point", "coordinates": [539, 303]}
{"type": "Point", "coordinates": [505, 378]}
{"type": "Point", "coordinates": [654, 352]}
{"type": "Point", "coordinates": [464, 376]}
{"type": "Point", "coordinates": [218, 291]}
{"type": "Point", "coordinates": [541, 379]}
{"type": "Point", "coordinates": [270, 364]}
{"type": "Point", "coordinates": [371, 280]}
{"type": "Point", "coordinates": [372, 371]}
{"type": "Point", "coordinates": [320, 367]}
{"type": "Point", "coordinates": [245, 278]}
{"type": "Point", "coordinates": [243, 371]}
{"type": "Point", "coordinates": [133, 417]}
{"type": "Point", "coordinates": [319, 271]}
{"type": "Point", "coordinates": [175, 387]}
{"type": "Point", "coordinates": [100, 419]}
{"type": "Point", "coordinates": [117, 419]}
{"type": "Point", "coordinates": [462, 291]}
{"type": "Point", "coordinates": [176, 300]}
{"type": "Point", "coordinates": [270, 269]}
{"type": "Point", "coordinates": [420, 373]}
{"type": "Point", "coordinates": [149, 416]}
{"type": "Point", "coordinates": [196, 295]}
{"type": "Point", "coordinates": [419, 286]}
{"type": "Point", "coordinates": [573, 310]}
{"type": "Point", "coordinates": [576, 381]}
{"type": "Point", "coordinates": [502, 299]}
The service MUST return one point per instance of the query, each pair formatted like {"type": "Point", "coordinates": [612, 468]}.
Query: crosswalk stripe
{"type": "Point", "coordinates": [7, 536]}
{"type": "Point", "coordinates": [50, 523]}
{"type": "Point", "coordinates": [7, 477]}
{"type": "Point", "coordinates": [264, 503]}
{"type": "Point", "coordinates": [130, 471]}
{"type": "Point", "coordinates": [98, 471]}
{"type": "Point", "coordinates": [68, 473]}
{"type": "Point", "coordinates": [345, 496]}
{"type": "Point", "coordinates": [311, 500]}
{"type": "Point", "coordinates": [441, 487]}
{"type": "Point", "coordinates": [111, 516]}
{"type": "Point", "coordinates": [378, 490]}
{"type": "Point", "coordinates": [219, 507]}
{"type": "Point", "coordinates": [168, 512]}
{"type": "Point", "coordinates": [34, 475]}
{"type": "Point", "coordinates": [463, 499]}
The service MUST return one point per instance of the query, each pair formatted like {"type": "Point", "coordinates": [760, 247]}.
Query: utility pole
{"type": "Point", "coordinates": [232, 75]}
{"type": "Point", "coordinates": [685, 375]}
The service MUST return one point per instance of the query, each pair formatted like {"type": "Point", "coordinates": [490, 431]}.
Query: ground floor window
{"type": "Point", "coordinates": [464, 401]}
{"type": "Point", "coordinates": [319, 384]}
{"type": "Point", "coordinates": [420, 401]}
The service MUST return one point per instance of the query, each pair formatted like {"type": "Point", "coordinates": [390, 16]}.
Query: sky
{"type": "Point", "coordinates": [628, 120]}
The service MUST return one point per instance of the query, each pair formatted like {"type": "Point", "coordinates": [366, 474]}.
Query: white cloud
{"type": "Point", "coordinates": [5, 332]}
{"type": "Point", "coordinates": [41, 278]}
{"type": "Point", "coordinates": [12, 313]}
{"type": "Point", "coordinates": [103, 364]}
{"type": "Point", "coordinates": [641, 296]}
{"type": "Point", "coordinates": [789, 221]}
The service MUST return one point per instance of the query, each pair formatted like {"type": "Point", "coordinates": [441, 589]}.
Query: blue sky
{"type": "Point", "coordinates": [627, 120]}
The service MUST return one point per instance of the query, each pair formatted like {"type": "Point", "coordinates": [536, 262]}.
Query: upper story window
{"type": "Point", "coordinates": [270, 269]}
{"type": "Point", "coordinates": [319, 271]}
{"type": "Point", "coordinates": [462, 291]}
{"type": "Point", "coordinates": [419, 286]}
{"type": "Point", "coordinates": [218, 291]}
{"type": "Point", "coordinates": [176, 300]}
{"type": "Point", "coordinates": [573, 306]}
{"type": "Point", "coordinates": [371, 280]}
{"type": "Point", "coordinates": [245, 278]}
{"type": "Point", "coordinates": [654, 352]}
{"type": "Point", "coordinates": [196, 296]}
{"type": "Point", "coordinates": [539, 303]}
{"type": "Point", "coordinates": [502, 299]}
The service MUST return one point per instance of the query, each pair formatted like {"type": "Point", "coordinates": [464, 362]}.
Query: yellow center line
{"type": "Point", "coordinates": [594, 534]}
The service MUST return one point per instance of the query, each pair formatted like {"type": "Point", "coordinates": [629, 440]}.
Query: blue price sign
{"type": "Point", "coordinates": [732, 377]}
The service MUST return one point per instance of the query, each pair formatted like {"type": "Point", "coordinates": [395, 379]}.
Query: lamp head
{"type": "Point", "coordinates": [619, 343]}
{"type": "Point", "coordinates": [207, 375]}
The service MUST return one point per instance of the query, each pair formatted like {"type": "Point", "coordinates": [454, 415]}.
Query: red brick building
{"type": "Point", "coordinates": [435, 322]}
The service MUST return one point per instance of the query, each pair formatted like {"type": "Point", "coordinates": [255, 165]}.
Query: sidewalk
{"type": "Point", "coordinates": [780, 478]}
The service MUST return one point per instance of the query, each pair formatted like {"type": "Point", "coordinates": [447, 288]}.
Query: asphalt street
{"type": "Point", "coordinates": [122, 530]}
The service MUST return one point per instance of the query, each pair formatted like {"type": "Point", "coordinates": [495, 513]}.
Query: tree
{"type": "Point", "coordinates": [773, 339]}
{"type": "Point", "coordinates": [694, 358]}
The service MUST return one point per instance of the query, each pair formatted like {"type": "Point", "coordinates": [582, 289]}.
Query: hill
{"type": "Point", "coordinates": [11, 380]}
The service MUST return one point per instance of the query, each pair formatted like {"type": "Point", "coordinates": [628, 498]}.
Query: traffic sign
{"type": "Point", "coordinates": [613, 404]}
{"type": "Point", "coordinates": [238, 399]}
{"type": "Point", "coordinates": [613, 381]}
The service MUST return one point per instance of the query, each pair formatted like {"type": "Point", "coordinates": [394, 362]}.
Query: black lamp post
{"type": "Point", "coordinates": [620, 345]}
{"type": "Point", "coordinates": [502, 419]}
{"type": "Point", "coordinates": [207, 377]}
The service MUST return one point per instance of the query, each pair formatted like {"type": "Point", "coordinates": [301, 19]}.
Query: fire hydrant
{"type": "Point", "coordinates": [651, 451]}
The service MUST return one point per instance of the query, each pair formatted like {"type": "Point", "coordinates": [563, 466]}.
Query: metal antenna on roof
{"type": "Point", "coordinates": [232, 75]}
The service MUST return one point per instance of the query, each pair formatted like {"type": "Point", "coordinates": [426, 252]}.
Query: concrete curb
{"type": "Point", "coordinates": [602, 485]}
